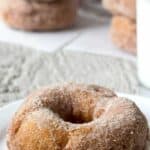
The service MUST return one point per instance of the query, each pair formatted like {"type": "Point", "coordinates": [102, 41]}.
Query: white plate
{"type": "Point", "coordinates": [7, 112]}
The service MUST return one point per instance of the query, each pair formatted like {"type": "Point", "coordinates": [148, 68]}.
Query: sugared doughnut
{"type": "Point", "coordinates": [121, 7]}
{"type": "Point", "coordinates": [77, 117]}
{"type": "Point", "coordinates": [33, 15]}
{"type": "Point", "coordinates": [123, 33]}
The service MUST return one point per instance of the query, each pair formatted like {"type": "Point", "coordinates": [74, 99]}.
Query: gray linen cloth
{"type": "Point", "coordinates": [23, 70]}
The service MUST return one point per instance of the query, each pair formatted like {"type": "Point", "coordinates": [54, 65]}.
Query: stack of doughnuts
{"type": "Point", "coordinates": [39, 14]}
{"type": "Point", "coordinates": [123, 26]}
{"type": "Point", "coordinates": [77, 117]}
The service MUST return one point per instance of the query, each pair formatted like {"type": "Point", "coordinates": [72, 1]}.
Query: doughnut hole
{"type": "Point", "coordinates": [75, 105]}
{"type": "Point", "coordinates": [74, 108]}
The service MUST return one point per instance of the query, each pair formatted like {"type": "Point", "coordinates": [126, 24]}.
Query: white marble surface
{"type": "Point", "coordinates": [47, 41]}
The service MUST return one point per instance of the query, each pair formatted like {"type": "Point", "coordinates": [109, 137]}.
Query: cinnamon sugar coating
{"type": "Point", "coordinates": [123, 33]}
{"type": "Point", "coordinates": [77, 117]}
{"type": "Point", "coordinates": [121, 7]}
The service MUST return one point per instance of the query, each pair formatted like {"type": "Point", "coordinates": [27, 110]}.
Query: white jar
{"type": "Point", "coordinates": [143, 41]}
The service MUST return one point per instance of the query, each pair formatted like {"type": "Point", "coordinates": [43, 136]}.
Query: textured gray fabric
{"type": "Point", "coordinates": [23, 69]}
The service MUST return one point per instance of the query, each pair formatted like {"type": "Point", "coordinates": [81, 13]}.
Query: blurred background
{"type": "Point", "coordinates": [83, 41]}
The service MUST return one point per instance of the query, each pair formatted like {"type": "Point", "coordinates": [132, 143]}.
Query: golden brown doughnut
{"type": "Point", "coordinates": [32, 15]}
{"type": "Point", "coordinates": [77, 117]}
{"type": "Point", "coordinates": [121, 7]}
{"type": "Point", "coordinates": [123, 33]}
